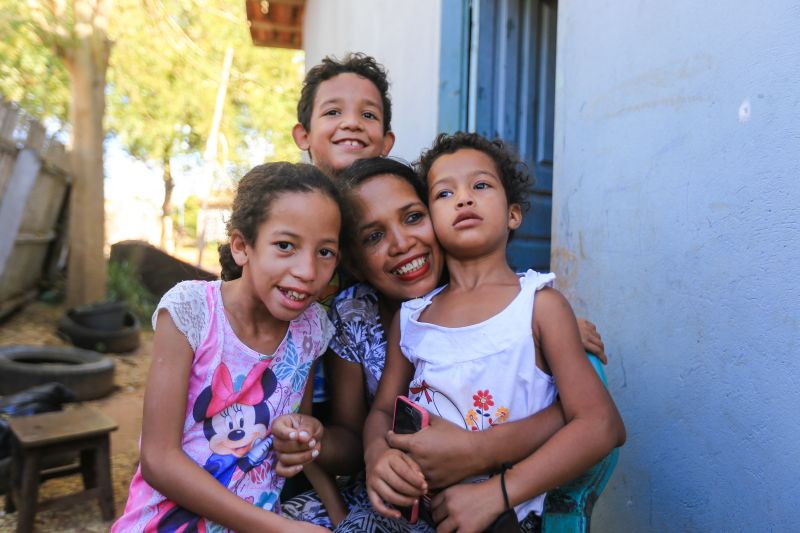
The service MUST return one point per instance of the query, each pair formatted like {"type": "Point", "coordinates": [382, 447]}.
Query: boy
{"type": "Point", "coordinates": [344, 113]}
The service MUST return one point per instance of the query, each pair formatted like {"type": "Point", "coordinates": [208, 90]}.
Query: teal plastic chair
{"type": "Point", "coordinates": [568, 509]}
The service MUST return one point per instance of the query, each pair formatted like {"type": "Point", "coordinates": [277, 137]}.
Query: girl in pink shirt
{"type": "Point", "coordinates": [231, 359]}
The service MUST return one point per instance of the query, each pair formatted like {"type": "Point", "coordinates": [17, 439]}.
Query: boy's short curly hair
{"type": "Point", "coordinates": [356, 63]}
{"type": "Point", "coordinates": [513, 172]}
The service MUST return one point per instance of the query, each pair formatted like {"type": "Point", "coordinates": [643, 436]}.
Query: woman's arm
{"type": "Point", "coordinates": [165, 466]}
{"type": "Point", "coordinates": [341, 451]}
{"type": "Point", "coordinates": [322, 482]}
{"type": "Point", "coordinates": [446, 452]}
{"type": "Point", "coordinates": [392, 476]}
{"type": "Point", "coordinates": [593, 426]}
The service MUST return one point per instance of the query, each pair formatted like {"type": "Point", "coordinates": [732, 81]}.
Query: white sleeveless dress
{"type": "Point", "coordinates": [480, 375]}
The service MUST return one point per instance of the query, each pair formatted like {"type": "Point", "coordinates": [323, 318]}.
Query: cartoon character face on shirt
{"type": "Point", "coordinates": [234, 418]}
{"type": "Point", "coordinates": [237, 427]}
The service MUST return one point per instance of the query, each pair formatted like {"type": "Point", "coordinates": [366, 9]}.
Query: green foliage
{"type": "Point", "coordinates": [30, 73]}
{"type": "Point", "coordinates": [190, 209]}
{"type": "Point", "coordinates": [163, 77]}
{"type": "Point", "coordinates": [124, 286]}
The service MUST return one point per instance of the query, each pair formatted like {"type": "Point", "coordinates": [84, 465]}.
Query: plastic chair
{"type": "Point", "coordinates": [568, 509]}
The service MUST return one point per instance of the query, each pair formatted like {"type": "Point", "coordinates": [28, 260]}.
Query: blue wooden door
{"type": "Point", "coordinates": [503, 85]}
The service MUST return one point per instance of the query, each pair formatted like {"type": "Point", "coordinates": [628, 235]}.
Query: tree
{"type": "Point", "coordinates": [77, 31]}
{"type": "Point", "coordinates": [163, 73]}
{"type": "Point", "coordinates": [164, 76]}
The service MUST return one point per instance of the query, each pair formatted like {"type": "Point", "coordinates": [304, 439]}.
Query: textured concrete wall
{"type": "Point", "coordinates": [677, 229]}
{"type": "Point", "coordinates": [404, 36]}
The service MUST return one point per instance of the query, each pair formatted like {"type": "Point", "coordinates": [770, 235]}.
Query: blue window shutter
{"type": "Point", "coordinates": [507, 70]}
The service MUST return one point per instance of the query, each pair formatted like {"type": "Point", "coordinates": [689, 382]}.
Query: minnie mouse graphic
{"type": "Point", "coordinates": [236, 423]}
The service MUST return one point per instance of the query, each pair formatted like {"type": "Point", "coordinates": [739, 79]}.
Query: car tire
{"type": "Point", "coordinates": [124, 339]}
{"type": "Point", "coordinates": [90, 375]}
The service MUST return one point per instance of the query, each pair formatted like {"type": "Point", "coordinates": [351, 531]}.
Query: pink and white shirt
{"type": "Point", "coordinates": [234, 395]}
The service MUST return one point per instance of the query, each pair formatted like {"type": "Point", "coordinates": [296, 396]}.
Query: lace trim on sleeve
{"type": "Point", "coordinates": [186, 305]}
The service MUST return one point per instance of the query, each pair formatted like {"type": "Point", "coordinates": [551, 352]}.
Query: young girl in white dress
{"type": "Point", "coordinates": [489, 347]}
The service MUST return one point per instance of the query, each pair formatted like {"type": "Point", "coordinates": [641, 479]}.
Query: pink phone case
{"type": "Point", "coordinates": [411, 513]}
{"type": "Point", "coordinates": [414, 406]}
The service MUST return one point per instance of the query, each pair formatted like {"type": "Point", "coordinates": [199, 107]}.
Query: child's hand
{"type": "Point", "coordinates": [591, 340]}
{"type": "Point", "coordinates": [297, 439]}
{"type": "Point", "coordinates": [468, 507]}
{"type": "Point", "coordinates": [444, 452]}
{"type": "Point", "coordinates": [394, 478]}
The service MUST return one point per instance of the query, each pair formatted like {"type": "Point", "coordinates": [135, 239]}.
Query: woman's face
{"type": "Point", "coordinates": [398, 252]}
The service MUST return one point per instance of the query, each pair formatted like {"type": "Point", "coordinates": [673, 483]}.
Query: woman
{"type": "Point", "coordinates": [396, 257]}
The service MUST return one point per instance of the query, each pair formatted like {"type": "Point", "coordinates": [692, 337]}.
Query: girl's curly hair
{"type": "Point", "coordinates": [513, 172]}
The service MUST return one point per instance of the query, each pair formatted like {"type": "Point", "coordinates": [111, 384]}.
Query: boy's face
{"type": "Point", "coordinates": [346, 124]}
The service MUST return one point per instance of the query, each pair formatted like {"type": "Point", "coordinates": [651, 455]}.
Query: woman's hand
{"type": "Point", "coordinates": [297, 439]}
{"type": "Point", "coordinates": [468, 507]}
{"type": "Point", "coordinates": [394, 478]}
{"type": "Point", "coordinates": [444, 452]}
{"type": "Point", "coordinates": [591, 340]}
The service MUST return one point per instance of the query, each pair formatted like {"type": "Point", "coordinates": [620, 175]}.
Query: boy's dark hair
{"type": "Point", "coordinates": [256, 192]}
{"type": "Point", "coordinates": [363, 170]}
{"type": "Point", "coordinates": [357, 63]}
{"type": "Point", "coordinates": [513, 173]}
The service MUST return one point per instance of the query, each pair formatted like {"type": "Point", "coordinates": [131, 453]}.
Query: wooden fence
{"type": "Point", "coordinates": [34, 188]}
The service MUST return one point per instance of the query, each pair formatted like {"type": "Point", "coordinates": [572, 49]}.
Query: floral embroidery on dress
{"type": "Point", "coordinates": [483, 400]}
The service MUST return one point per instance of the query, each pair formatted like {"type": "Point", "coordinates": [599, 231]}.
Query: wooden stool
{"type": "Point", "coordinates": [38, 437]}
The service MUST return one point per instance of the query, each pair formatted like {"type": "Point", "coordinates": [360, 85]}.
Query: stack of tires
{"type": "Point", "coordinates": [102, 327]}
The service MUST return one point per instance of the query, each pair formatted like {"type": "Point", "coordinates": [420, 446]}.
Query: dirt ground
{"type": "Point", "coordinates": [35, 325]}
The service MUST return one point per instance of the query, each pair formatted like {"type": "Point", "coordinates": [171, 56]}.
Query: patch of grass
{"type": "Point", "coordinates": [124, 286]}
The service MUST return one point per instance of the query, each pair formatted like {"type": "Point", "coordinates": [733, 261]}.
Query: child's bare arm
{"type": "Point", "coordinates": [446, 452]}
{"type": "Point", "coordinates": [164, 464]}
{"type": "Point", "coordinates": [593, 426]}
{"type": "Point", "coordinates": [323, 483]}
{"type": "Point", "coordinates": [392, 476]}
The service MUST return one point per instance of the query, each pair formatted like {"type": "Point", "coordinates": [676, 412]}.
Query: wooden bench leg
{"type": "Point", "coordinates": [29, 492]}
{"type": "Point", "coordinates": [89, 468]}
{"type": "Point", "coordinates": [103, 478]}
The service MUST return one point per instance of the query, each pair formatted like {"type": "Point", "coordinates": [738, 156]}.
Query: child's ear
{"type": "Point", "coordinates": [388, 143]}
{"type": "Point", "coordinates": [300, 135]}
{"type": "Point", "coordinates": [238, 248]}
{"type": "Point", "coordinates": [514, 216]}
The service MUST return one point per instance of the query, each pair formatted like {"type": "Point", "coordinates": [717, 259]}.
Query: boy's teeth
{"type": "Point", "coordinates": [416, 264]}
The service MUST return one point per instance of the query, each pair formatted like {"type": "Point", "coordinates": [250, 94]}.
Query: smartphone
{"type": "Point", "coordinates": [409, 418]}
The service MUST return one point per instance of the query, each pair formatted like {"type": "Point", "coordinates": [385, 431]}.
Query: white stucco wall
{"type": "Point", "coordinates": [676, 220]}
{"type": "Point", "coordinates": [404, 37]}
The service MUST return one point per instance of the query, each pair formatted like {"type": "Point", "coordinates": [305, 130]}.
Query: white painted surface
{"type": "Point", "coordinates": [404, 37]}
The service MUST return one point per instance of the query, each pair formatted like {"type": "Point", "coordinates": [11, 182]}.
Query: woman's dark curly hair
{"type": "Point", "coordinates": [256, 192]}
{"type": "Point", "coordinates": [359, 64]}
{"type": "Point", "coordinates": [358, 173]}
{"type": "Point", "coordinates": [513, 173]}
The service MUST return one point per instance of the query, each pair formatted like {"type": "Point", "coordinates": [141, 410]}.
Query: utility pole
{"type": "Point", "coordinates": [210, 159]}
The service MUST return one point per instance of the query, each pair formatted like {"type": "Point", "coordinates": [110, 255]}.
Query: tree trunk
{"type": "Point", "coordinates": [87, 61]}
{"type": "Point", "coordinates": [167, 237]}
